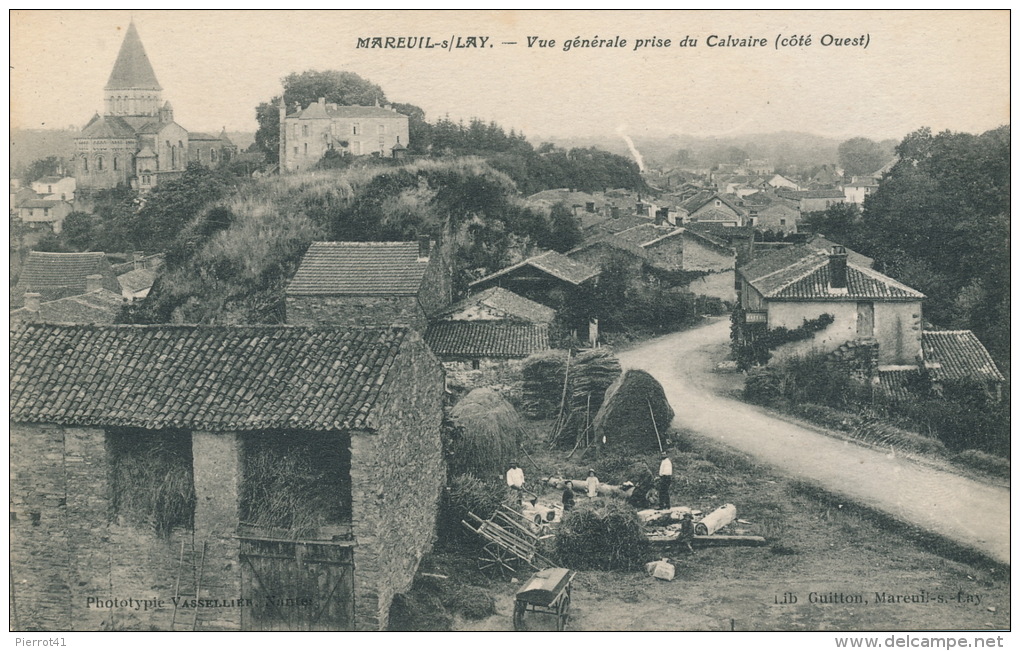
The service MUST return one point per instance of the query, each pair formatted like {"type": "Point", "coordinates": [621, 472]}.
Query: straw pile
{"type": "Point", "coordinates": [635, 407]}
{"type": "Point", "coordinates": [601, 534]}
{"type": "Point", "coordinates": [591, 373]}
{"type": "Point", "coordinates": [543, 375]}
{"type": "Point", "coordinates": [487, 433]}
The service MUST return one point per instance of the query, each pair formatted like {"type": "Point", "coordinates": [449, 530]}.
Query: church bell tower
{"type": "Point", "coordinates": [132, 89]}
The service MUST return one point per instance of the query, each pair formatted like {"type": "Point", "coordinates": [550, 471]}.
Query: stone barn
{"type": "Point", "coordinates": [219, 477]}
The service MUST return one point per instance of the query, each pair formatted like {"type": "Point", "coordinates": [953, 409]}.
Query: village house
{"type": "Point", "coordinates": [481, 353]}
{"type": "Point", "coordinates": [96, 305]}
{"type": "Point", "coordinates": [713, 207]}
{"type": "Point", "coordinates": [307, 134]}
{"type": "Point", "coordinates": [498, 304]}
{"type": "Point", "coordinates": [859, 188]}
{"type": "Point", "coordinates": [549, 278]}
{"type": "Point", "coordinates": [370, 283]}
{"type": "Point", "coordinates": [949, 356]}
{"type": "Point", "coordinates": [821, 199]}
{"type": "Point", "coordinates": [50, 212]}
{"type": "Point", "coordinates": [56, 275]}
{"type": "Point", "coordinates": [55, 187]}
{"type": "Point", "coordinates": [786, 287]}
{"type": "Point", "coordinates": [289, 475]}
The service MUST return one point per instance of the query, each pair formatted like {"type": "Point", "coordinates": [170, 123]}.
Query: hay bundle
{"type": "Point", "coordinates": [601, 534]}
{"type": "Point", "coordinates": [635, 406]}
{"type": "Point", "coordinates": [487, 433]}
{"type": "Point", "coordinates": [591, 373]}
{"type": "Point", "coordinates": [543, 375]}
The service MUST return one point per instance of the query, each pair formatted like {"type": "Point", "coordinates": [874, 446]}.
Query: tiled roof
{"type": "Point", "coordinates": [360, 268]}
{"type": "Point", "coordinates": [715, 215]}
{"type": "Point", "coordinates": [502, 339]}
{"type": "Point", "coordinates": [108, 126]}
{"type": "Point", "coordinates": [215, 378]}
{"type": "Point", "coordinates": [957, 354]}
{"type": "Point", "coordinates": [553, 263]}
{"type": "Point", "coordinates": [503, 300]}
{"type": "Point", "coordinates": [895, 383]}
{"type": "Point", "coordinates": [315, 110]}
{"type": "Point", "coordinates": [137, 280]}
{"type": "Point", "coordinates": [132, 68]}
{"type": "Point", "coordinates": [41, 203]}
{"type": "Point", "coordinates": [820, 243]}
{"type": "Point", "coordinates": [47, 180]}
{"type": "Point", "coordinates": [708, 238]}
{"type": "Point", "coordinates": [613, 242]}
{"type": "Point", "coordinates": [94, 307]}
{"type": "Point", "coordinates": [44, 270]}
{"type": "Point", "coordinates": [828, 193]}
{"type": "Point", "coordinates": [641, 234]}
{"type": "Point", "coordinates": [802, 273]}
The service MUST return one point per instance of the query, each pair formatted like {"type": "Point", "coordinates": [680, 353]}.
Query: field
{"type": "Point", "coordinates": [827, 566]}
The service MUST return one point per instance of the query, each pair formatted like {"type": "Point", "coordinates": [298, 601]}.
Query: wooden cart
{"type": "Point", "coordinates": [547, 592]}
{"type": "Point", "coordinates": [510, 542]}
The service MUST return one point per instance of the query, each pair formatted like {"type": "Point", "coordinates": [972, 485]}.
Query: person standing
{"type": "Point", "coordinates": [665, 480]}
{"type": "Point", "coordinates": [568, 496]}
{"type": "Point", "coordinates": [592, 482]}
{"type": "Point", "coordinates": [686, 533]}
{"type": "Point", "coordinates": [515, 477]}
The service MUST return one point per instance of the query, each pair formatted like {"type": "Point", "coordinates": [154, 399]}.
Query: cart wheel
{"type": "Point", "coordinates": [563, 613]}
{"type": "Point", "coordinates": [519, 609]}
{"type": "Point", "coordinates": [496, 559]}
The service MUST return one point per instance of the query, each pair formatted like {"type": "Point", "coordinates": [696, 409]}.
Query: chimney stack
{"type": "Point", "coordinates": [837, 268]}
{"type": "Point", "coordinates": [424, 244]}
{"type": "Point", "coordinates": [93, 283]}
{"type": "Point", "coordinates": [32, 300]}
{"type": "Point", "coordinates": [322, 101]}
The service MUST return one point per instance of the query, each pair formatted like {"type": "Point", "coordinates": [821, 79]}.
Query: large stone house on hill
{"type": "Point", "coordinates": [370, 283]}
{"type": "Point", "coordinates": [307, 134]}
{"type": "Point", "coordinates": [296, 470]}
{"type": "Point", "coordinates": [136, 140]}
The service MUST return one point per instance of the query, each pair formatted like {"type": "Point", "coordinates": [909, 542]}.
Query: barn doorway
{"type": "Point", "coordinates": [293, 585]}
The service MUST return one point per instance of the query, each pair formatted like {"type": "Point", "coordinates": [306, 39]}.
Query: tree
{"type": "Point", "coordinates": [79, 230]}
{"type": "Point", "coordinates": [564, 231]}
{"type": "Point", "coordinates": [860, 156]}
{"type": "Point", "coordinates": [170, 206]}
{"type": "Point", "coordinates": [336, 86]}
{"type": "Point", "coordinates": [42, 167]}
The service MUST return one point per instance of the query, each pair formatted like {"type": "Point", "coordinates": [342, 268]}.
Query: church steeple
{"type": "Point", "coordinates": [132, 89]}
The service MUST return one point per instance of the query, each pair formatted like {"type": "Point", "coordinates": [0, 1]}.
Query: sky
{"type": "Point", "coordinates": [945, 70]}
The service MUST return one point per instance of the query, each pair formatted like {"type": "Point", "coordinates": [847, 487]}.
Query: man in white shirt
{"type": "Point", "coordinates": [665, 480]}
{"type": "Point", "coordinates": [515, 477]}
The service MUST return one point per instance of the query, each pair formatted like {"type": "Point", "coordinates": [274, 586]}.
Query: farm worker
{"type": "Point", "coordinates": [665, 480]}
{"type": "Point", "coordinates": [515, 477]}
{"type": "Point", "coordinates": [568, 496]}
{"type": "Point", "coordinates": [686, 533]}
{"type": "Point", "coordinates": [593, 484]}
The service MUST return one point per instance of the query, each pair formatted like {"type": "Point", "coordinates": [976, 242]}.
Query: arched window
{"type": "Point", "coordinates": [85, 163]}
{"type": "Point", "coordinates": [115, 164]}
{"type": "Point", "coordinates": [99, 163]}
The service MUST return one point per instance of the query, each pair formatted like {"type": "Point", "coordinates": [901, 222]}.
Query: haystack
{"type": "Point", "coordinates": [543, 375]}
{"type": "Point", "coordinates": [634, 407]}
{"type": "Point", "coordinates": [592, 372]}
{"type": "Point", "coordinates": [487, 434]}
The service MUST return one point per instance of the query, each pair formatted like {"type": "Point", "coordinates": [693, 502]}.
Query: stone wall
{"type": "Point", "coordinates": [719, 285]}
{"type": "Point", "coordinates": [702, 257]}
{"type": "Point", "coordinates": [668, 253]}
{"type": "Point", "coordinates": [355, 310]}
{"type": "Point", "coordinates": [502, 375]}
{"type": "Point", "coordinates": [397, 476]}
{"type": "Point", "coordinates": [69, 546]}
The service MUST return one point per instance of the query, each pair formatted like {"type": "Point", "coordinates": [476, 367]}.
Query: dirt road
{"type": "Point", "coordinates": [968, 512]}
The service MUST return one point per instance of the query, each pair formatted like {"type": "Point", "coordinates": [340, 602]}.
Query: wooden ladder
{"type": "Point", "coordinates": [190, 571]}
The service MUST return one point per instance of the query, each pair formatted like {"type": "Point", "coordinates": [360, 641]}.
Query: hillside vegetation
{"type": "Point", "coordinates": [232, 262]}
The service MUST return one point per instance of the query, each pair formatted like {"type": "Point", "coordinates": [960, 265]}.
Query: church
{"type": "Point", "coordinates": [136, 141]}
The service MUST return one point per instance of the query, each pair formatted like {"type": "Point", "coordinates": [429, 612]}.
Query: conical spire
{"type": "Point", "coordinates": [132, 69]}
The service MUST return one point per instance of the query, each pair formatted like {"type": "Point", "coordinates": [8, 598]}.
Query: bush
{"type": "Point", "coordinates": [601, 534]}
{"type": "Point", "coordinates": [989, 463]}
{"type": "Point", "coordinates": [464, 494]}
{"type": "Point", "coordinates": [763, 386]}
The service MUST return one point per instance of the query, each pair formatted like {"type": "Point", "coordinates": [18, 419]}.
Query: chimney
{"type": "Point", "coordinates": [424, 244]}
{"type": "Point", "coordinates": [837, 268]}
{"type": "Point", "coordinates": [93, 283]}
{"type": "Point", "coordinates": [322, 101]}
{"type": "Point", "coordinates": [32, 301]}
